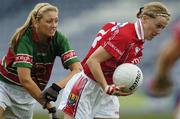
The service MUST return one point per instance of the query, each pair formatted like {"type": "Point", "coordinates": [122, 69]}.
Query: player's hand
{"type": "Point", "coordinates": [52, 113]}
{"type": "Point", "coordinates": [116, 90]}
{"type": "Point", "coordinates": [51, 93]}
{"type": "Point", "coordinates": [159, 87]}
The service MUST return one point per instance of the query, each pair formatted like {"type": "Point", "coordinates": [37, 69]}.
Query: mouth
{"type": "Point", "coordinates": [150, 38]}
{"type": "Point", "coordinates": [153, 35]}
{"type": "Point", "coordinates": [52, 31]}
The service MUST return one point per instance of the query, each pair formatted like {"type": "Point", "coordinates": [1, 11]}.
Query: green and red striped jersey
{"type": "Point", "coordinates": [38, 56]}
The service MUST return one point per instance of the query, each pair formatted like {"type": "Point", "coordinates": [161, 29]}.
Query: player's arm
{"type": "Point", "coordinates": [24, 75]}
{"type": "Point", "coordinates": [168, 57]}
{"type": "Point", "coordinates": [162, 84]}
{"type": "Point", "coordinates": [69, 60]}
{"type": "Point", "coordinates": [75, 68]}
{"type": "Point", "coordinates": [52, 92]}
{"type": "Point", "coordinates": [93, 62]}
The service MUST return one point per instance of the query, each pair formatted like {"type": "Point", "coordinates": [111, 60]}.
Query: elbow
{"type": "Point", "coordinates": [91, 62]}
{"type": "Point", "coordinates": [77, 70]}
{"type": "Point", "coordinates": [76, 67]}
{"type": "Point", "coordinates": [24, 75]}
{"type": "Point", "coordinates": [24, 81]}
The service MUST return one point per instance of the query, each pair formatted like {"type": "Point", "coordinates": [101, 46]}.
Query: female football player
{"type": "Point", "coordinates": [26, 69]}
{"type": "Point", "coordinates": [91, 93]}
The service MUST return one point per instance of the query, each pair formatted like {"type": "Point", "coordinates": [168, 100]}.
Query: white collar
{"type": "Point", "coordinates": [139, 29]}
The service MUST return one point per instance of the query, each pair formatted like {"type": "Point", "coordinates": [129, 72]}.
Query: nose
{"type": "Point", "coordinates": [54, 24]}
{"type": "Point", "coordinates": [158, 31]}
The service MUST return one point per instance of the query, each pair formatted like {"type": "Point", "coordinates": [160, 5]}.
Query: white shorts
{"type": "Point", "coordinates": [83, 98]}
{"type": "Point", "coordinates": [16, 102]}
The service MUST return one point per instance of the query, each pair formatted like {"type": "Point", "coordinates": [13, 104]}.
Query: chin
{"type": "Point", "coordinates": [149, 39]}
{"type": "Point", "coordinates": [51, 35]}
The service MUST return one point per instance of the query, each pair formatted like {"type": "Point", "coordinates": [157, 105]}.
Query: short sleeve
{"type": "Point", "coordinates": [23, 54]}
{"type": "Point", "coordinates": [106, 28]}
{"type": "Point", "coordinates": [67, 54]}
{"type": "Point", "coordinates": [115, 44]}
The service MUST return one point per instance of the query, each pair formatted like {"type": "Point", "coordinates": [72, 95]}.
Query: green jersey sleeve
{"type": "Point", "coordinates": [68, 56]}
{"type": "Point", "coordinates": [23, 53]}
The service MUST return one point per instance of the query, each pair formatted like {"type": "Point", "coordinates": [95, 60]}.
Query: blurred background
{"type": "Point", "coordinates": [80, 20]}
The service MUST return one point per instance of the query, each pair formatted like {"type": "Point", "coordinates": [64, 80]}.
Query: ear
{"type": "Point", "coordinates": [145, 17]}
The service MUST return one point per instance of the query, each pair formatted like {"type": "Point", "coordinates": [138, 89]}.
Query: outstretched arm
{"type": "Point", "coordinates": [24, 75]}
{"type": "Point", "coordinates": [75, 68]}
{"type": "Point", "coordinates": [52, 92]}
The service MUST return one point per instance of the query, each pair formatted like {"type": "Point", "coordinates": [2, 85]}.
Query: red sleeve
{"type": "Point", "coordinates": [105, 28]}
{"type": "Point", "coordinates": [116, 44]}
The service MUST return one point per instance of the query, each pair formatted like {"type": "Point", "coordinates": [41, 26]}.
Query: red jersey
{"type": "Point", "coordinates": [124, 42]}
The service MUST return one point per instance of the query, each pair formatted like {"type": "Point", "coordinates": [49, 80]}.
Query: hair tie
{"type": "Point", "coordinates": [141, 9]}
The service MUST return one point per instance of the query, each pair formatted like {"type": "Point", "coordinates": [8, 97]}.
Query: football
{"type": "Point", "coordinates": [129, 75]}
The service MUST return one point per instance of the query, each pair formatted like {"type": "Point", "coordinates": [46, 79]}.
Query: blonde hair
{"type": "Point", "coordinates": [34, 16]}
{"type": "Point", "coordinates": [154, 9]}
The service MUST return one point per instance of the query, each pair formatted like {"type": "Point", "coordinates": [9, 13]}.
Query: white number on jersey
{"type": "Point", "coordinates": [103, 32]}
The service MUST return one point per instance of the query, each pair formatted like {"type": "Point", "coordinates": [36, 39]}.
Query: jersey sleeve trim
{"type": "Point", "coordinates": [70, 61]}
{"type": "Point", "coordinates": [109, 46]}
{"type": "Point", "coordinates": [68, 58]}
{"type": "Point", "coordinates": [23, 60]}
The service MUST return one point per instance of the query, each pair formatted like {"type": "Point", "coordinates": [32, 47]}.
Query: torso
{"type": "Point", "coordinates": [39, 57]}
{"type": "Point", "coordinates": [123, 45]}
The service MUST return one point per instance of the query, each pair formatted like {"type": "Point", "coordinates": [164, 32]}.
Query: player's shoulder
{"type": "Point", "coordinates": [115, 23]}
{"type": "Point", "coordinates": [59, 36]}
{"type": "Point", "coordinates": [108, 25]}
{"type": "Point", "coordinates": [27, 33]}
{"type": "Point", "coordinates": [112, 26]}
{"type": "Point", "coordinates": [120, 25]}
{"type": "Point", "coordinates": [27, 36]}
{"type": "Point", "coordinates": [123, 29]}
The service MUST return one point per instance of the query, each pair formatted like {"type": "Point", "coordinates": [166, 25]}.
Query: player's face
{"type": "Point", "coordinates": [153, 26]}
{"type": "Point", "coordinates": [47, 25]}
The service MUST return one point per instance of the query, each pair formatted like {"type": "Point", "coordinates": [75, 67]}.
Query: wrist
{"type": "Point", "coordinates": [52, 110]}
{"type": "Point", "coordinates": [109, 89]}
{"type": "Point", "coordinates": [106, 88]}
{"type": "Point", "coordinates": [56, 87]}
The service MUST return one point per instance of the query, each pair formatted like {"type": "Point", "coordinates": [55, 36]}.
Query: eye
{"type": "Point", "coordinates": [160, 26]}
{"type": "Point", "coordinates": [56, 20]}
{"type": "Point", "coordinates": [52, 20]}
{"type": "Point", "coordinates": [49, 21]}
